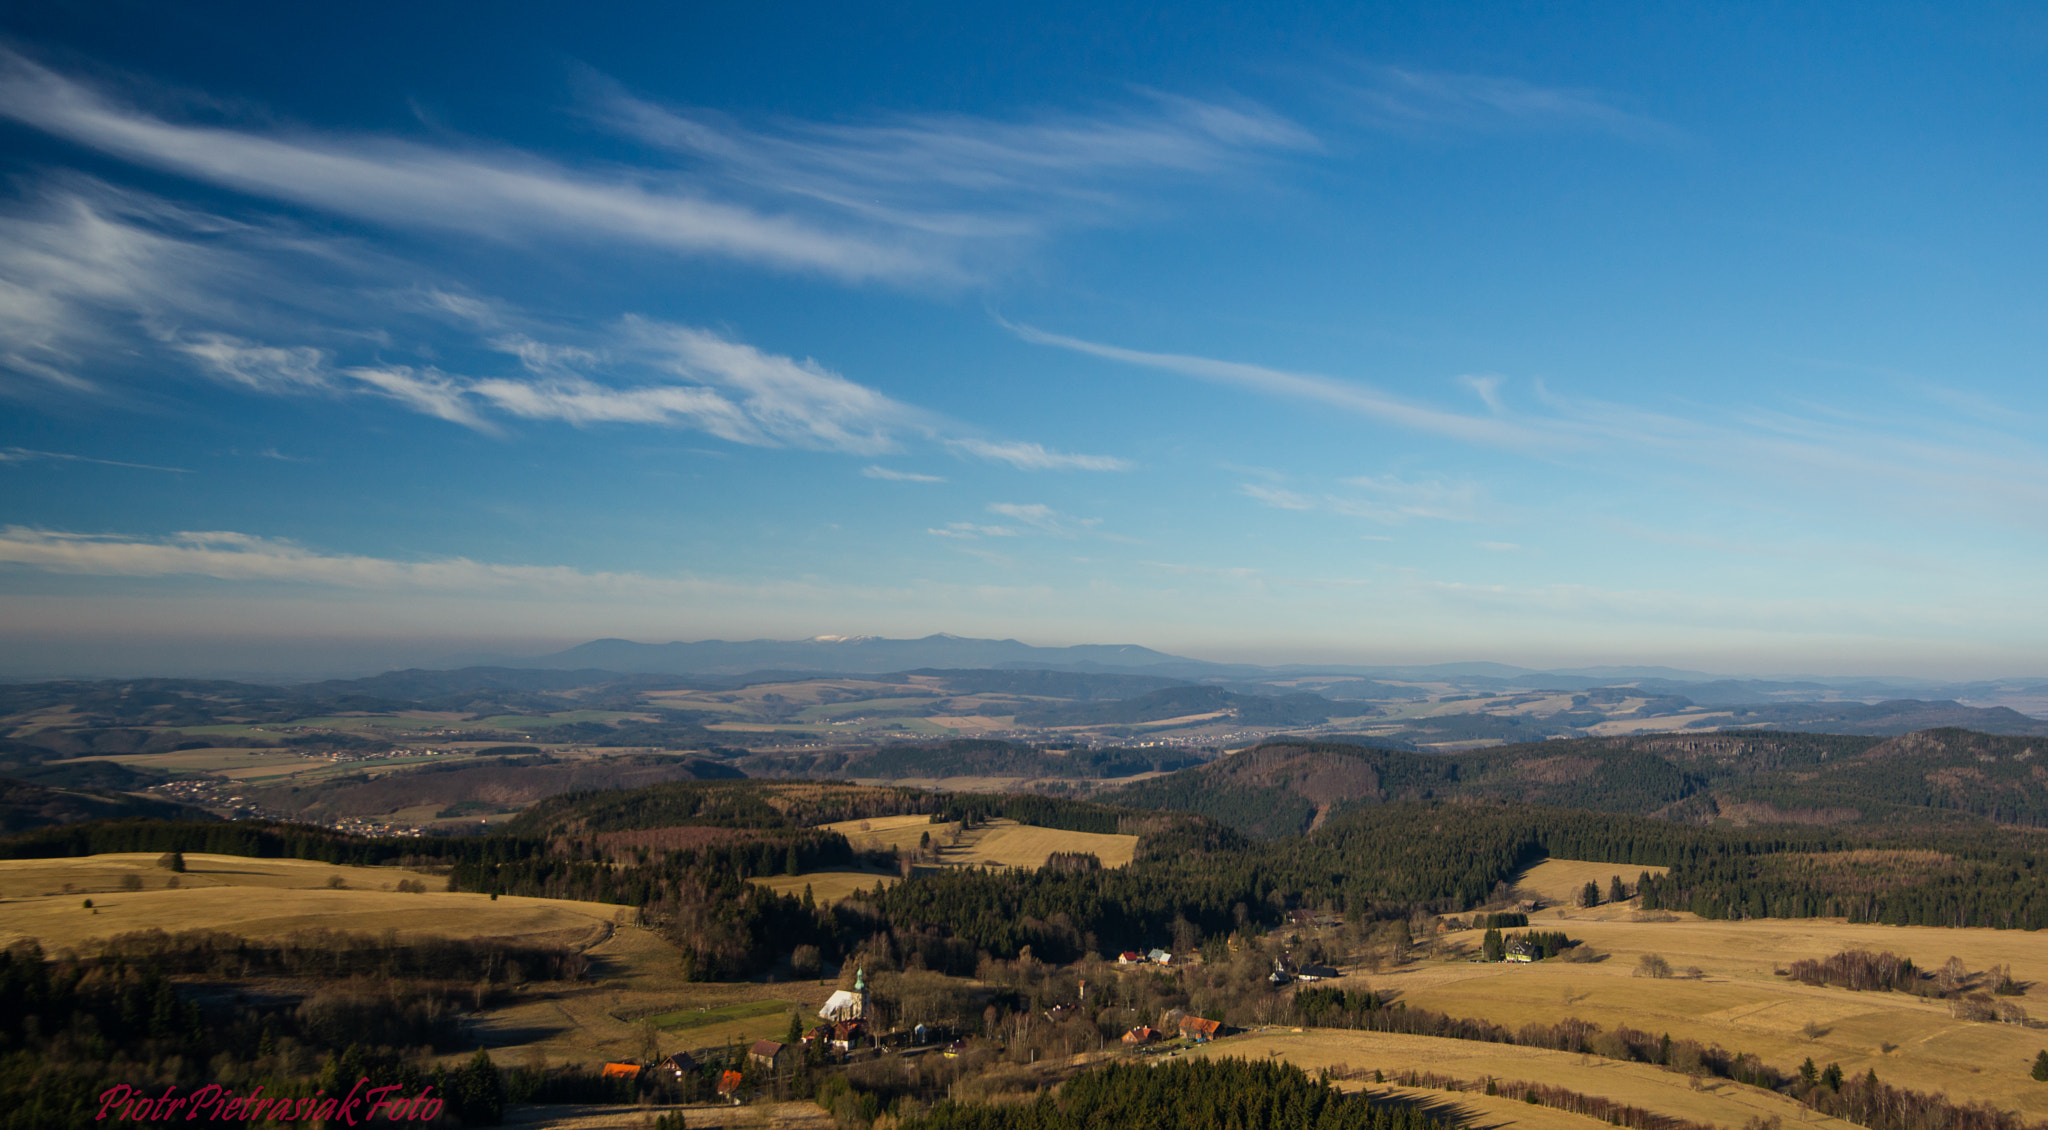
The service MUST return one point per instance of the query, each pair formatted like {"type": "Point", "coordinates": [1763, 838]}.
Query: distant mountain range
{"type": "Point", "coordinates": [875, 655]}
{"type": "Point", "coordinates": [848, 655]}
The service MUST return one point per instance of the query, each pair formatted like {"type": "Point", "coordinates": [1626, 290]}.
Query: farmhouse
{"type": "Point", "coordinates": [767, 1053]}
{"type": "Point", "coordinates": [1316, 973]}
{"type": "Point", "coordinates": [1130, 957]}
{"type": "Point", "coordinates": [1141, 1035]}
{"type": "Point", "coordinates": [679, 1064]}
{"type": "Point", "coordinates": [1160, 957]}
{"type": "Point", "coordinates": [1199, 1030]}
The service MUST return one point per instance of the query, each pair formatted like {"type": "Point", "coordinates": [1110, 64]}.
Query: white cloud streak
{"type": "Point", "coordinates": [958, 176]}
{"type": "Point", "coordinates": [496, 195]}
{"type": "Point", "coordinates": [1043, 518]}
{"type": "Point", "coordinates": [1351, 397]}
{"type": "Point", "coordinates": [1035, 457]}
{"type": "Point", "coordinates": [1405, 99]}
{"type": "Point", "coordinates": [887, 475]}
{"type": "Point", "coordinates": [230, 556]}
{"type": "Point", "coordinates": [1979, 470]}
{"type": "Point", "coordinates": [30, 455]}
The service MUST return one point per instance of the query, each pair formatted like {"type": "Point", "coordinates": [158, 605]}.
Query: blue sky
{"type": "Point", "coordinates": [1710, 335]}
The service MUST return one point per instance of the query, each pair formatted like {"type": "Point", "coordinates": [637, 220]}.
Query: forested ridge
{"type": "Point", "coordinates": [1928, 779]}
{"type": "Point", "coordinates": [1184, 1095]}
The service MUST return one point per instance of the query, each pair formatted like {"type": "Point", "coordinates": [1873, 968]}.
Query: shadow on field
{"type": "Point", "coordinates": [1443, 1108]}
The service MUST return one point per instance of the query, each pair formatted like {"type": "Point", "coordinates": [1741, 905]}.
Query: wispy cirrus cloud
{"type": "Point", "coordinates": [1043, 518]}
{"type": "Point", "coordinates": [887, 475]}
{"type": "Point", "coordinates": [961, 176]}
{"type": "Point", "coordinates": [1947, 468]}
{"type": "Point", "coordinates": [1350, 396]}
{"type": "Point", "coordinates": [1035, 457]}
{"type": "Point", "coordinates": [902, 198]}
{"type": "Point", "coordinates": [30, 455]}
{"type": "Point", "coordinates": [1384, 498]}
{"type": "Point", "coordinates": [231, 556]}
{"type": "Point", "coordinates": [494, 194]}
{"type": "Point", "coordinates": [96, 280]}
{"type": "Point", "coordinates": [1026, 517]}
{"type": "Point", "coordinates": [1403, 98]}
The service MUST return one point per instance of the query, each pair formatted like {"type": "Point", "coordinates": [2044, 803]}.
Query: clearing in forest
{"type": "Point", "coordinates": [1558, 881]}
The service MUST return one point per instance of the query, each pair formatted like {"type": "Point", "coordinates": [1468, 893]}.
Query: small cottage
{"type": "Point", "coordinates": [679, 1065]}
{"type": "Point", "coordinates": [1141, 1035]}
{"type": "Point", "coordinates": [767, 1053]}
{"type": "Point", "coordinates": [621, 1071]}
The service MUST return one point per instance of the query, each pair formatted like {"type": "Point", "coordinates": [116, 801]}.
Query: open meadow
{"type": "Point", "coordinates": [1738, 1000]}
{"type": "Point", "coordinates": [887, 833]}
{"type": "Point", "coordinates": [1006, 843]}
{"type": "Point", "coordinates": [828, 887]}
{"type": "Point", "coordinates": [267, 898]}
{"type": "Point", "coordinates": [1557, 882]}
{"type": "Point", "coordinates": [1670, 1093]}
{"type": "Point", "coordinates": [995, 843]}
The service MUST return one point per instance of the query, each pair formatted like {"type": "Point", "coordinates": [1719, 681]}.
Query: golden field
{"type": "Point", "coordinates": [1738, 1001]}
{"type": "Point", "coordinates": [266, 898]}
{"type": "Point", "coordinates": [1666, 1092]}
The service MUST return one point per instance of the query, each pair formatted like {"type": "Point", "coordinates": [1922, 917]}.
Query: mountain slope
{"type": "Point", "coordinates": [1927, 778]}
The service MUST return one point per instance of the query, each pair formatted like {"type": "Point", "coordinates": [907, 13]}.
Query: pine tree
{"type": "Point", "coordinates": [2041, 1067]}
{"type": "Point", "coordinates": [1590, 896]}
{"type": "Point", "coordinates": [1809, 1074]}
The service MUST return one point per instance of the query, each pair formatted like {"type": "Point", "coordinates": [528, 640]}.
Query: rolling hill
{"type": "Point", "coordinates": [1941, 776]}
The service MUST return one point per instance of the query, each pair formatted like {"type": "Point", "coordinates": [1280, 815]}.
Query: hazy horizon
{"type": "Point", "coordinates": [298, 660]}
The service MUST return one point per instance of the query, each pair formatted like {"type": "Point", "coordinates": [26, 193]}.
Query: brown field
{"type": "Point", "coordinates": [1005, 843]}
{"type": "Point", "coordinates": [973, 723]}
{"type": "Point", "coordinates": [1653, 1088]}
{"type": "Point", "coordinates": [1558, 881]}
{"type": "Point", "coordinates": [1479, 1111]}
{"type": "Point", "coordinates": [265, 898]}
{"type": "Point", "coordinates": [1738, 1001]}
{"type": "Point", "coordinates": [955, 784]}
{"type": "Point", "coordinates": [91, 874]}
{"type": "Point", "coordinates": [828, 887]}
{"type": "Point", "coordinates": [887, 833]}
{"type": "Point", "coordinates": [1002, 843]}
{"type": "Point", "coordinates": [238, 764]}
